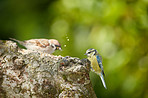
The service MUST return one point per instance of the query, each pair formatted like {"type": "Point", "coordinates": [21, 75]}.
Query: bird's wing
{"type": "Point", "coordinates": [38, 42]}
{"type": "Point", "coordinates": [100, 64]}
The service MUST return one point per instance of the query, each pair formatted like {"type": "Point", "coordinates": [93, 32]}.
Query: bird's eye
{"type": "Point", "coordinates": [52, 45]}
{"type": "Point", "coordinates": [89, 52]}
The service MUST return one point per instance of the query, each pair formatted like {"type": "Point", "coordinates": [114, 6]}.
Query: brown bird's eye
{"type": "Point", "coordinates": [52, 45]}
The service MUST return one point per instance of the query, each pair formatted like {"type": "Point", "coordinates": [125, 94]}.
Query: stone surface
{"type": "Point", "coordinates": [29, 74]}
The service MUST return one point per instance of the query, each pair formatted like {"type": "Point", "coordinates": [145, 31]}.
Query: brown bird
{"type": "Point", "coordinates": [41, 45]}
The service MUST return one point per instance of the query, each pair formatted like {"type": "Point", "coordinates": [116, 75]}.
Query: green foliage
{"type": "Point", "coordinates": [118, 29]}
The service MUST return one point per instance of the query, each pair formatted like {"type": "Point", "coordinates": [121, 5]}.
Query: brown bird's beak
{"type": "Point", "coordinates": [58, 48]}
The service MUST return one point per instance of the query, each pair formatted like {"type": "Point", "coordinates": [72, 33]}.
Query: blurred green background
{"type": "Point", "coordinates": [118, 29]}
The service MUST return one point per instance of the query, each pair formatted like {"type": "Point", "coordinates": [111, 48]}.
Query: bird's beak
{"type": "Point", "coordinates": [85, 54]}
{"type": "Point", "coordinates": [58, 48]}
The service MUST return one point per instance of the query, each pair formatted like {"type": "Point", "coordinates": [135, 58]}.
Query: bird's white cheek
{"type": "Point", "coordinates": [89, 55]}
{"type": "Point", "coordinates": [50, 50]}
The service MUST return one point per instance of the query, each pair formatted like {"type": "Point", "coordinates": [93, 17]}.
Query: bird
{"type": "Point", "coordinates": [40, 45]}
{"type": "Point", "coordinates": [96, 64]}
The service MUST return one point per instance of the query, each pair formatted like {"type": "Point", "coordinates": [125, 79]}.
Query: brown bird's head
{"type": "Point", "coordinates": [55, 44]}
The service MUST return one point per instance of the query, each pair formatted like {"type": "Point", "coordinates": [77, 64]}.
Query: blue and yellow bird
{"type": "Point", "coordinates": [96, 63]}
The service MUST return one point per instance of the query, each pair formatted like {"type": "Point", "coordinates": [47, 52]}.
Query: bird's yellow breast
{"type": "Point", "coordinates": [94, 64]}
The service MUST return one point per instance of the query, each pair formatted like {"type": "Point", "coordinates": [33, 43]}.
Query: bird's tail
{"type": "Point", "coordinates": [103, 81]}
{"type": "Point", "coordinates": [20, 42]}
